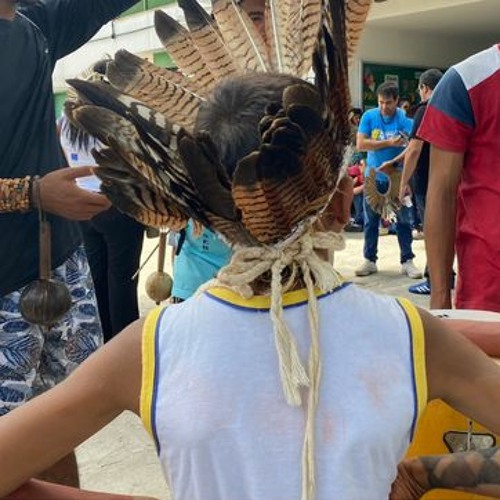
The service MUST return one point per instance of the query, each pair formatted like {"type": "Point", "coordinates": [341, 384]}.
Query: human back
{"type": "Point", "coordinates": [218, 411]}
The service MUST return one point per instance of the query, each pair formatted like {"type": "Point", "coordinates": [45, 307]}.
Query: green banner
{"type": "Point", "coordinates": [406, 78]}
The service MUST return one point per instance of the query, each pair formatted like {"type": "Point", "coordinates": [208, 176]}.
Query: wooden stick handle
{"type": "Point", "coordinates": [45, 250]}
{"type": "Point", "coordinates": [161, 251]}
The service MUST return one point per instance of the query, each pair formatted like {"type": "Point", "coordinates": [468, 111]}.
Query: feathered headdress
{"type": "Point", "coordinates": [163, 165]}
{"type": "Point", "coordinates": [383, 202]}
{"type": "Point", "coordinates": [157, 170]}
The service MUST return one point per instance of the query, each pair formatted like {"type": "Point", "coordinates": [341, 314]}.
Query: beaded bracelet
{"type": "Point", "coordinates": [15, 194]}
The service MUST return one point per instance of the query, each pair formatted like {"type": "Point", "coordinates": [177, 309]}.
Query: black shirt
{"type": "Point", "coordinates": [30, 45]}
{"type": "Point", "coordinates": [421, 174]}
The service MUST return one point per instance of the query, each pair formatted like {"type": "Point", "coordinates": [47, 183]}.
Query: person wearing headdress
{"type": "Point", "coordinates": [267, 384]}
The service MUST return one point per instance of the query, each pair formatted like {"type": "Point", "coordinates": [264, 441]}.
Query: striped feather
{"type": "Point", "coordinates": [161, 174]}
{"type": "Point", "coordinates": [132, 195]}
{"type": "Point", "coordinates": [179, 44]}
{"type": "Point", "coordinates": [310, 18]}
{"type": "Point", "coordinates": [293, 174]}
{"type": "Point", "coordinates": [207, 38]}
{"type": "Point", "coordinates": [241, 36]}
{"type": "Point", "coordinates": [120, 135]}
{"type": "Point", "coordinates": [128, 74]}
{"type": "Point", "coordinates": [331, 73]}
{"type": "Point", "coordinates": [104, 95]}
{"type": "Point", "coordinates": [356, 14]}
{"type": "Point", "coordinates": [160, 153]}
{"type": "Point", "coordinates": [283, 39]}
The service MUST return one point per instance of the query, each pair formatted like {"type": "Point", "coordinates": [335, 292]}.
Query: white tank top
{"type": "Point", "coordinates": [212, 397]}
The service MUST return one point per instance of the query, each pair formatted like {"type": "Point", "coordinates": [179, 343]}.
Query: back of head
{"type": "Point", "coordinates": [231, 114]}
{"type": "Point", "coordinates": [354, 113]}
{"type": "Point", "coordinates": [430, 78]}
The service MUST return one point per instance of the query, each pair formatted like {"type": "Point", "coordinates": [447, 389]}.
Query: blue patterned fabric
{"type": "Point", "coordinates": [33, 359]}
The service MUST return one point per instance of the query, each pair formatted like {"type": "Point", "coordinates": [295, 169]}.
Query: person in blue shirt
{"type": "Point", "coordinates": [198, 259]}
{"type": "Point", "coordinates": [382, 133]}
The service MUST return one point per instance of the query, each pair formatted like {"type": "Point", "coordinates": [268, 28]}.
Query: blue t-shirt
{"type": "Point", "coordinates": [378, 127]}
{"type": "Point", "coordinates": [198, 262]}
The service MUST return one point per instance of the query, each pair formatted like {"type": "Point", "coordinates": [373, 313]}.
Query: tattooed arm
{"type": "Point", "coordinates": [474, 471]}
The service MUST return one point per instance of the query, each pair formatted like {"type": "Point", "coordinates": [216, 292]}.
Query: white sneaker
{"type": "Point", "coordinates": [417, 235]}
{"type": "Point", "coordinates": [367, 268]}
{"type": "Point", "coordinates": [410, 270]}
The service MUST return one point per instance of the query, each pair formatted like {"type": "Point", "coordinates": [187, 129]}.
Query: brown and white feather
{"type": "Point", "coordinates": [356, 15]}
{"type": "Point", "coordinates": [241, 36]}
{"type": "Point", "coordinates": [178, 42]}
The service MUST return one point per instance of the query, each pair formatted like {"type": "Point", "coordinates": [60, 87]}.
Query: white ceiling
{"type": "Point", "coordinates": [467, 18]}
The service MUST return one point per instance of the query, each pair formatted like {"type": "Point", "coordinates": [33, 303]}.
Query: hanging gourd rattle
{"type": "Point", "coordinates": [44, 301]}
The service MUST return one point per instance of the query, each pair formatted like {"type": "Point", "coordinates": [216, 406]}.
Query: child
{"type": "Point", "coordinates": [220, 380]}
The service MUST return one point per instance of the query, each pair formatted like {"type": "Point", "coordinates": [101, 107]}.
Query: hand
{"type": "Point", "coordinates": [404, 190]}
{"type": "Point", "coordinates": [60, 195]}
{"type": "Point", "coordinates": [397, 141]}
{"type": "Point", "coordinates": [387, 167]}
{"type": "Point", "coordinates": [410, 484]}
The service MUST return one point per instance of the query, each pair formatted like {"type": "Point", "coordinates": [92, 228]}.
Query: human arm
{"type": "Point", "coordinates": [35, 489]}
{"type": "Point", "coordinates": [40, 432]}
{"type": "Point", "coordinates": [412, 154]}
{"type": "Point", "coordinates": [58, 194]}
{"type": "Point", "coordinates": [389, 166]}
{"type": "Point", "coordinates": [68, 24]}
{"type": "Point", "coordinates": [365, 143]}
{"type": "Point", "coordinates": [460, 373]}
{"type": "Point", "coordinates": [358, 189]}
{"type": "Point", "coordinates": [467, 379]}
{"type": "Point", "coordinates": [440, 221]}
{"type": "Point", "coordinates": [475, 472]}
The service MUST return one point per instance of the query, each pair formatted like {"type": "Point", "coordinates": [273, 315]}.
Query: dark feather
{"type": "Point", "coordinates": [130, 75]}
{"type": "Point", "coordinates": [131, 194]}
{"type": "Point", "coordinates": [179, 44]}
{"type": "Point", "coordinates": [277, 187]}
{"type": "Point", "coordinates": [208, 39]}
{"type": "Point", "coordinates": [203, 166]}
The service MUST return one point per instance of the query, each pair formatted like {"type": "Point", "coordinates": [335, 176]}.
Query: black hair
{"type": "Point", "coordinates": [232, 113]}
{"type": "Point", "coordinates": [388, 90]}
{"type": "Point", "coordinates": [430, 78]}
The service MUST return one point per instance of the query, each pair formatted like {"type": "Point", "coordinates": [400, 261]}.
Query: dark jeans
{"type": "Point", "coordinates": [357, 202]}
{"type": "Point", "coordinates": [420, 204]}
{"type": "Point", "coordinates": [403, 230]}
{"type": "Point", "coordinates": [113, 242]}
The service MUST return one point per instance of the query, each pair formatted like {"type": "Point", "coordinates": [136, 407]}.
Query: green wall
{"type": "Point", "coordinates": [147, 5]}
{"type": "Point", "coordinates": [163, 59]}
{"type": "Point", "coordinates": [59, 99]}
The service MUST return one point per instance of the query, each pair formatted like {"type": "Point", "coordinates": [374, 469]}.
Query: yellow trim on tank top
{"type": "Point", "coordinates": [418, 343]}
{"type": "Point", "coordinates": [148, 367]}
{"type": "Point", "coordinates": [263, 301]}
